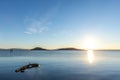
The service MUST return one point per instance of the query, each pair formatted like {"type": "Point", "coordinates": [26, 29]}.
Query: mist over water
{"type": "Point", "coordinates": [61, 65]}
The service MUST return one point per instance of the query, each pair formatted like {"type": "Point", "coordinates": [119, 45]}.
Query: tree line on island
{"type": "Point", "coordinates": [68, 48]}
{"type": "Point", "coordinates": [39, 48]}
{"type": "Point", "coordinates": [71, 48]}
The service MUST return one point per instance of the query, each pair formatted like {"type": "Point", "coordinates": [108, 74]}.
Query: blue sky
{"type": "Point", "coordinates": [59, 23]}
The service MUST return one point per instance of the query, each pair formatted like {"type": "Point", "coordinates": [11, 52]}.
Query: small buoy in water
{"type": "Point", "coordinates": [23, 68]}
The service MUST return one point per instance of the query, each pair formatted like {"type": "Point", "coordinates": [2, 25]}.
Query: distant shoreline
{"type": "Point", "coordinates": [59, 49]}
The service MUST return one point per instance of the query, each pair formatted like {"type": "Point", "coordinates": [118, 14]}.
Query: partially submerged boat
{"type": "Point", "coordinates": [23, 68]}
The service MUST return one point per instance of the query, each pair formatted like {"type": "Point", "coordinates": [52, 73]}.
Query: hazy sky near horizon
{"type": "Point", "coordinates": [59, 23]}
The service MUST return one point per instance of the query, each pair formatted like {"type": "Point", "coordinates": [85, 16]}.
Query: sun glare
{"type": "Point", "coordinates": [90, 43]}
{"type": "Point", "coordinates": [90, 56]}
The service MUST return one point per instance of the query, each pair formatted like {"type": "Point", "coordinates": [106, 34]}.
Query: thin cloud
{"type": "Point", "coordinates": [40, 24]}
{"type": "Point", "coordinates": [36, 26]}
{"type": "Point", "coordinates": [36, 29]}
{"type": "Point", "coordinates": [26, 32]}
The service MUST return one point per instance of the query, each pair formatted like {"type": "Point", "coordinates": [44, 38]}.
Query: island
{"type": "Point", "coordinates": [38, 48]}
{"type": "Point", "coordinates": [68, 49]}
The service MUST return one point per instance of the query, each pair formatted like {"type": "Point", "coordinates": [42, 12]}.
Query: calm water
{"type": "Point", "coordinates": [61, 65]}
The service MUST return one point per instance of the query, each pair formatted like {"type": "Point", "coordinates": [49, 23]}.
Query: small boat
{"type": "Point", "coordinates": [23, 68]}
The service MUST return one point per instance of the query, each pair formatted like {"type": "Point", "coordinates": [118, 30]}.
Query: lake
{"type": "Point", "coordinates": [61, 65]}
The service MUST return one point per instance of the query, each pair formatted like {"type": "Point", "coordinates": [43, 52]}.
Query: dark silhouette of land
{"type": "Point", "coordinates": [38, 48]}
{"type": "Point", "coordinates": [67, 48]}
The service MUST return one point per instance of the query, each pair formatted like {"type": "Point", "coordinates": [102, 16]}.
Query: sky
{"type": "Point", "coordinates": [53, 24]}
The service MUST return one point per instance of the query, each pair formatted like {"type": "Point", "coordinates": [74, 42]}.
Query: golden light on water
{"type": "Point", "coordinates": [90, 56]}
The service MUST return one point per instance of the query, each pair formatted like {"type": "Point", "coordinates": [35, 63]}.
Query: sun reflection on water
{"type": "Point", "coordinates": [90, 56]}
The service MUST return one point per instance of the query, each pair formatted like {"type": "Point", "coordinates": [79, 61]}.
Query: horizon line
{"type": "Point", "coordinates": [59, 48]}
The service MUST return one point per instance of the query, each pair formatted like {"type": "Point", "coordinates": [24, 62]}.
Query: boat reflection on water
{"type": "Point", "coordinates": [90, 56]}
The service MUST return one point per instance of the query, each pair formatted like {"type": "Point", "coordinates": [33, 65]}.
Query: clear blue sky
{"type": "Point", "coordinates": [59, 23]}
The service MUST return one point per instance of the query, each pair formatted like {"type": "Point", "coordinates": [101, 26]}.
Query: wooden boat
{"type": "Point", "coordinates": [23, 68]}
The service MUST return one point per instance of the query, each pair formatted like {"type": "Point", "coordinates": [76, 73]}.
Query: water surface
{"type": "Point", "coordinates": [61, 65]}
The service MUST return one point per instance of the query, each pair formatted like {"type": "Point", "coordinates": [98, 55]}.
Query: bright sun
{"type": "Point", "coordinates": [90, 43]}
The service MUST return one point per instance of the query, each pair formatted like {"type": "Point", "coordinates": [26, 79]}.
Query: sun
{"type": "Point", "coordinates": [90, 43]}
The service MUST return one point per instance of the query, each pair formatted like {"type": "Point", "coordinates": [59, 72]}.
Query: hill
{"type": "Point", "coordinates": [68, 49]}
{"type": "Point", "coordinates": [38, 48]}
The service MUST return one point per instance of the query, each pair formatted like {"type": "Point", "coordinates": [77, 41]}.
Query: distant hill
{"type": "Point", "coordinates": [17, 49]}
{"type": "Point", "coordinates": [68, 49]}
{"type": "Point", "coordinates": [38, 48]}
